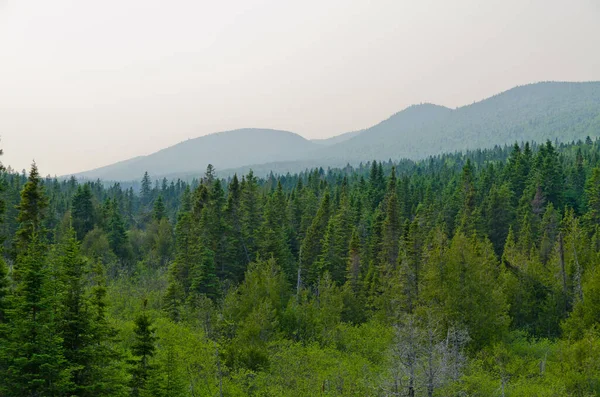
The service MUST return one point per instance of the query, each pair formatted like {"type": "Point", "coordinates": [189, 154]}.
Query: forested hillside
{"type": "Point", "coordinates": [458, 275]}
{"type": "Point", "coordinates": [536, 112]}
{"type": "Point", "coordinates": [227, 149]}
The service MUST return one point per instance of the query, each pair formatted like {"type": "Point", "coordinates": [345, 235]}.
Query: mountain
{"type": "Point", "coordinates": [228, 149]}
{"type": "Point", "coordinates": [336, 139]}
{"type": "Point", "coordinates": [535, 112]}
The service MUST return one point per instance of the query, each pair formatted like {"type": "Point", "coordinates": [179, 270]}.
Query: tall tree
{"type": "Point", "coordinates": [32, 210]}
{"type": "Point", "coordinates": [33, 348]}
{"type": "Point", "coordinates": [143, 350]}
{"type": "Point", "coordinates": [82, 211]}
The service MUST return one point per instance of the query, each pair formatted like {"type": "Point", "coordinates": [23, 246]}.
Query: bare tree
{"type": "Point", "coordinates": [424, 357]}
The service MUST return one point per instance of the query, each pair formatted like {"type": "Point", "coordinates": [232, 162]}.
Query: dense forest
{"type": "Point", "coordinates": [470, 274]}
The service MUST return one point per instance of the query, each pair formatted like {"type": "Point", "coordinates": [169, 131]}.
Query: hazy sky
{"type": "Point", "coordinates": [86, 83]}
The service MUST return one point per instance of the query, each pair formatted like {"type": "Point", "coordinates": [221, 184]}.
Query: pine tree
{"type": "Point", "coordinates": [592, 195]}
{"type": "Point", "coordinates": [159, 211]}
{"type": "Point", "coordinates": [250, 213]}
{"type": "Point", "coordinates": [273, 234]}
{"type": "Point", "coordinates": [146, 190]}
{"type": "Point", "coordinates": [32, 210]}
{"type": "Point", "coordinates": [236, 255]}
{"type": "Point", "coordinates": [388, 254]}
{"type": "Point", "coordinates": [33, 350]}
{"type": "Point", "coordinates": [312, 244]}
{"type": "Point", "coordinates": [203, 276]}
{"type": "Point", "coordinates": [467, 220]}
{"type": "Point", "coordinates": [116, 232]}
{"type": "Point", "coordinates": [82, 211]}
{"type": "Point", "coordinates": [142, 350]}
{"type": "Point", "coordinates": [498, 215]}
{"type": "Point", "coordinates": [83, 327]}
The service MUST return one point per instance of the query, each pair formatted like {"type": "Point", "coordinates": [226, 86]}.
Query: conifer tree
{"type": "Point", "coordinates": [250, 208]}
{"type": "Point", "coordinates": [83, 327]}
{"type": "Point", "coordinates": [312, 244]}
{"type": "Point", "coordinates": [146, 190]}
{"type": "Point", "coordinates": [32, 210]}
{"type": "Point", "coordinates": [142, 350]}
{"type": "Point", "coordinates": [388, 254]}
{"type": "Point", "coordinates": [273, 234]}
{"type": "Point", "coordinates": [35, 364]}
{"type": "Point", "coordinates": [159, 211]}
{"type": "Point", "coordinates": [467, 219]}
{"type": "Point", "coordinates": [236, 255]}
{"type": "Point", "coordinates": [592, 195]}
{"type": "Point", "coordinates": [498, 215]}
{"type": "Point", "coordinates": [82, 211]}
{"type": "Point", "coordinates": [116, 232]}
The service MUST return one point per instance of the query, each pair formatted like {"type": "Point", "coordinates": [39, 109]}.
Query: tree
{"type": "Point", "coordinates": [32, 210]}
{"type": "Point", "coordinates": [86, 336]}
{"type": "Point", "coordinates": [388, 254]}
{"type": "Point", "coordinates": [273, 234]}
{"type": "Point", "coordinates": [159, 211]}
{"type": "Point", "coordinates": [82, 211]}
{"type": "Point", "coordinates": [250, 213]}
{"type": "Point", "coordinates": [117, 233]}
{"type": "Point", "coordinates": [142, 350]}
{"type": "Point", "coordinates": [146, 189]}
{"type": "Point", "coordinates": [36, 365]}
{"type": "Point", "coordinates": [498, 215]}
{"type": "Point", "coordinates": [312, 244]}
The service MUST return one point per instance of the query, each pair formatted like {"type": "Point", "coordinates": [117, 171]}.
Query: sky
{"type": "Point", "coordinates": [87, 83]}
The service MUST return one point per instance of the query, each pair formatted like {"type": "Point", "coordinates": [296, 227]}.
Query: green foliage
{"type": "Point", "coordinates": [466, 274]}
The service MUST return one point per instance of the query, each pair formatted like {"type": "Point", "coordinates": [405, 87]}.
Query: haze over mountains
{"type": "Point", "coordinates": [535, 112]}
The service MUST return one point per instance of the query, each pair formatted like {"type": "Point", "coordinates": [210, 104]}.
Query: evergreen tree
{"type": "Point", "coordinates": [250, 213]}
{"type": "Point", "coordinates": [388, 255]}
{"type": "Point", "coordinates": [312, 244]}
{"type": "Point", "coordinates": [32, 210]}
{"type": "Point", "coordinates": [142, 350]}
{"type": "Point", "coordinates": [117, 233]}
{"type": "Point", "coordinates": [82, 211]}
{"type": "Point", "coordinates": [83, 327]}
{"type": "Point", "coordinates": [159, 211]}
{"type": "Point", "coordinates": [146, 190]}
{"type": "Point", "coordinates": [33, 350]}
{"type": "Point", "coordinates": [273, 242]}
{"type": "Point", "coordinates": [236, 255]}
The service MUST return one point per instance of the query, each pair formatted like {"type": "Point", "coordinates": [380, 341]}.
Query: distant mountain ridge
{"type": "Point", "coordinates": [227, 149]}
{"type": "Point", "coordinates": [534, 112]}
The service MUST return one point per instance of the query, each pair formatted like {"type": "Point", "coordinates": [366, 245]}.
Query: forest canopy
{"type": "Point", "coordinates": [470, 274]}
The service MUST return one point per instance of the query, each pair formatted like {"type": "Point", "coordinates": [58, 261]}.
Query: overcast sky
{"type": "Point", "coordinates": [86, 83]}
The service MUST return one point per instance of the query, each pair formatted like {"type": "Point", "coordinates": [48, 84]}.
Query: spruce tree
{"type": "Point", "coordinates": [388, 254]}
{"type": "Point", "coordinates": [159, 211]}
{"type": "Point", "coordinates": [32, 210]}
{"type": "Point", "coordinates": [146, 189]}
{"type": "Point", "coordinates": [116, 232]}
{"type": "Point", "coordinates": [312, 244]}
{"type": "Point", "coordinates": [236, 255]}
{"type": "Point", "coordinates": [82, 211]}
{"type": "Point", "coordinates": [273, 234]}
{"type": "Point", "coordinates": [35, 363]}
{"type": "Point", "coordinates": [142, 350]}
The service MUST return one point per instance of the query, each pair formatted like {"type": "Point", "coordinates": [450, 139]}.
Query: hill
{"type": "Point", "coordinates": [536, 112]}
{"type": "Point", "coordinates": [228, 149]}
{"type": "Point", "coordinates": [550, 110]}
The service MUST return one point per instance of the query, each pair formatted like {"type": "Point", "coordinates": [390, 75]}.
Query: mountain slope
{"type": "Point", "coordinates": [336, 139]}
{"type": "Point", "coordinates": [537, 112]}
{"type": "Point", "coordinates": [228, 149]}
